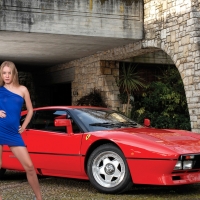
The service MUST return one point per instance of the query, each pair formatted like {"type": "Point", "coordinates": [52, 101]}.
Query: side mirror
{"type": "Point", "coordinates": [64, 122]}
{"type": "Point", "coordinates": [147, 122]}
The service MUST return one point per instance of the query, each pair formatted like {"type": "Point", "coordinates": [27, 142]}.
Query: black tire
{"type": "Point", "coordinates": [2, 172]}
{"type": "Point", "coordinates": [108, 171]}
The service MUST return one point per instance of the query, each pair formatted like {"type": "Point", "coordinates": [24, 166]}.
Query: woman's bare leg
{"type": "Point", "coordinates": [22, 155]}
{"type": "Point", "coordinates": [1, 160]}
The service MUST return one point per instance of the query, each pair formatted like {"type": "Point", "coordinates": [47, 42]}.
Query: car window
{"type": "Point", "coordinates": [44, 120]}
{"type": "Point", "coordinates": [103, 119]}
{"type": "Point", "coordinates": [75, 127]}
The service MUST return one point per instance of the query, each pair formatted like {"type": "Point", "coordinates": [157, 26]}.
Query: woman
{"type": "Point", "coordinates": [12, 96]}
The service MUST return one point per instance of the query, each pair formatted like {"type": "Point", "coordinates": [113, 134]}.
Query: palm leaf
{"type": "Point", "coordinates": [129, 81]}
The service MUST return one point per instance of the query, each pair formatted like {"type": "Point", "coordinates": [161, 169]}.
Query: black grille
{"type": "Point", "coordinates": [196, 162]}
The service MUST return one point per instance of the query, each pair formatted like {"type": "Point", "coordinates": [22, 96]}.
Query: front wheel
{"type": "Point", "coordinates": [108, 171]}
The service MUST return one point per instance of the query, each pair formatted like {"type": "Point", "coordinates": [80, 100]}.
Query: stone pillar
{"type": "Point", "coordinates": [86, 79]}
{"type": "Point", "coordinates": [99, 75]}
{"type": "Point", "coordinates": [173, 26]}
{"type": "Point", "coordinates": [107, 81]}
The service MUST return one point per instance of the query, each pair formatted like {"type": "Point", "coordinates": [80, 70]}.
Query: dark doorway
{"type": "Point", "coordinates": [60, 94]}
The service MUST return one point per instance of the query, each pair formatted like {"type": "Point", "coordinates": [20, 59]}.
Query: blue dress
{"type": "Point", "coordinates": [11, 103]}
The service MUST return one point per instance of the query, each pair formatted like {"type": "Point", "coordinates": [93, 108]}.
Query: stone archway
{"type": "Point", "coordinates": [173, 27]}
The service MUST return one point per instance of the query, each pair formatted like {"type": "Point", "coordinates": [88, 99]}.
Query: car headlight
{"type": "Point", "coordinates": [185, 162]}
{"type": "Point", "coordinates": [178, 165]}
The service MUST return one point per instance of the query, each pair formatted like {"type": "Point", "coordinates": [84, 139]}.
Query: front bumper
{"type": "Point", "coordinates": [160, 172]}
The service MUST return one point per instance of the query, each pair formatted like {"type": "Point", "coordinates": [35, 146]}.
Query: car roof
{"type": "Point", "coordinates": [65, 107]}
{"type": "Point", "coordinates": [68, 107]}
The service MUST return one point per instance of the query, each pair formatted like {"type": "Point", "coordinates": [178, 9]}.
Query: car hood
{"type": "Point", "coordinates": [180, 141]}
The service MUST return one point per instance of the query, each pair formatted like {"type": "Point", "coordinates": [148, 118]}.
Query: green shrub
{"type": "Point", "coordinates": [94, 98]}
{"type": "Point", "coordinates": [164, 102]}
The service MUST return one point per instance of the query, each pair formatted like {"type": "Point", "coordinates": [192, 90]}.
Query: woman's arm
{"type": "Point", "coordinates": [29, 108]}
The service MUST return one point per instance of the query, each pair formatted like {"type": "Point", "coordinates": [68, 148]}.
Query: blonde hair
{"type": "Point", "coordinates": [14, 72]}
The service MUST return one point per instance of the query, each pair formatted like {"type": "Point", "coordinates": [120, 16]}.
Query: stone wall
{"type": "Point", "coordinates": [99, 71]}
{"type": "Point", "coordinates": [173, 26]}
{"type": "Point", "coordinates": [101, 76]}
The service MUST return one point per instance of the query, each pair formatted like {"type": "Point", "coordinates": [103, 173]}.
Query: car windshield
{"type": "Point", "coordinates": [95, 120]}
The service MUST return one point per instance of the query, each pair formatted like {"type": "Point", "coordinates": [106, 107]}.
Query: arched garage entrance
{"type": "Point", "coordinates": [163, 101]}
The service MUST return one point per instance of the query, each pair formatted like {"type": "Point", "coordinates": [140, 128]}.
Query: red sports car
{"type": "Point", "coordinates": [106, 147]}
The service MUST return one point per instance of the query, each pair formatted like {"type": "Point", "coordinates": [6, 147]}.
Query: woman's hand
{"type": "Point", "coordinates": [21, 129]}
{"type": "Point", "coordinates": [2, 114]}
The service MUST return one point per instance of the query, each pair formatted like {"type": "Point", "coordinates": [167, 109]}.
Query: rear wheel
{"type": "Point", "coordinates": [108, 171]}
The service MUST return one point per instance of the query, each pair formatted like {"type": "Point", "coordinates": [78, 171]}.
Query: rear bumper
{"type": "Point", "coordinates": [159, 172]}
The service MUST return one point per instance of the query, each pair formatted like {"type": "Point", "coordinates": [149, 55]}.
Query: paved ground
{"type": "Point", "coordinates": [14, 186]}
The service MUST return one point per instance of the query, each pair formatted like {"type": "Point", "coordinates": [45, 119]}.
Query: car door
{"type": "Point", "coordinates": [52, 150]}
